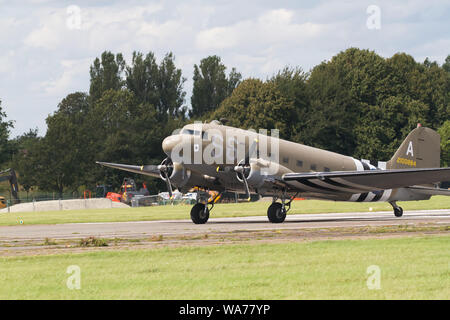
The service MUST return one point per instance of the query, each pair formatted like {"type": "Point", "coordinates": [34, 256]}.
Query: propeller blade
{"type": "Point", "coordinates": [241, 171]}
{"type": "Point", "coordinates": [169, 185]}
{"type": "Point", "coordinates": [251, 150]}
{"type": "Point", "coordinates": [164, 171]}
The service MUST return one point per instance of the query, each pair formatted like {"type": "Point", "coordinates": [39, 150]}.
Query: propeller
{"type": "Point", "coordinates": [166, 168]}
{"type": "Point", "coordinates": [243, 169]}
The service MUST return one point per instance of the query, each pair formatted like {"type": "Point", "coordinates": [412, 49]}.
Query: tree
{"type": "Point", "coordinates": [24, 158]}
{"type": "Point", "coordinates": [63, 155]}
{"type": "Point", "coordinates": [160, 86]}
{"type": "Point", "coordinates": [5, 146]}
{"type": "Point", "coordinates": [211, 86]}
{"type": "Point", "coordinates": [142, 78]}
{"type": "Point", "coordinates": [106, 74]}
{"type": "Point", "coordinates": [364, 105]}
{"type": "Point", "coordinates": [257, 105]}
{"type": "Point", "coordinates": [444, 131]}
{"type": "Point", "coordinates": [170, 89]}
{"type": "Point", "coordinates": [446, 65]}
{"type": "Point", "coordinates": [291, 82]}
{"type": "Point", "coordinates": [126, 131]}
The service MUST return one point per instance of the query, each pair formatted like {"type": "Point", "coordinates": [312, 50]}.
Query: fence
{"type": "Point", "coordinates": [137, 201]}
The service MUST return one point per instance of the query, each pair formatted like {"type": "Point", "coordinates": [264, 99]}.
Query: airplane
{"type": "Point", "coordinates": [216, 157]}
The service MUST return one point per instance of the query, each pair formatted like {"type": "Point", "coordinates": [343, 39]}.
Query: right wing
{"type": "Point", "coordinates": [363, 181]}
{"type": "Point", "coordinates": [430, 191]}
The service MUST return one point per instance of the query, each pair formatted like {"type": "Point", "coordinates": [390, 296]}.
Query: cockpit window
{"type": "Point", "coordinates": [191, 132]}
{"type": "Point", "coordinates": [205, 135]}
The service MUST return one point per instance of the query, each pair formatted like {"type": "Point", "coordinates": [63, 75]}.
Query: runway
{"type": "Point", "coordinates": [140, 229]}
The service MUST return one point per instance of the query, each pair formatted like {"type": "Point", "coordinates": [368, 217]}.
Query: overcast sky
{"type": "Point", "coordinates": [48, 46]}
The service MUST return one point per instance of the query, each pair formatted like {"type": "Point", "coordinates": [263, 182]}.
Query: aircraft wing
{"type": "Point", "coordinates": [148, 170]}
{"type": "Point", "coordinates": [363, 181]}
{"type": "Point", "coordinates": [430, 191]}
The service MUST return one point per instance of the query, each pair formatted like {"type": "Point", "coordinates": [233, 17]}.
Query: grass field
{"type": "Point", "coordinates": [411, 268]}
{"type": "Point", "coordinates": [220, 210]}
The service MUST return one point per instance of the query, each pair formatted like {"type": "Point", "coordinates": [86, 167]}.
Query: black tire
{"type": "Point", "coordinates": [275, 213]}
{"type": "Point", "coordinates": [198, 214]}
{"type": "Point", "coordinates": [398, 212]}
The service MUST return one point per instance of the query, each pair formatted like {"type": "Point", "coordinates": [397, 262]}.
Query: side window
{"type": "Point", "coordinates": [313, 167]}
{"type": "Point", "coordinates": [327, 169]}
{"type": "Point", "coordinates": [285, 160]}
{"type": "Point", "coordinates": [299, 163]}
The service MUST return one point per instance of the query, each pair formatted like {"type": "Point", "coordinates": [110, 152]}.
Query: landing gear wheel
{"type": "Point", "coordinates": [398, 212]}
{"type": "Point", "coordinates": [276, 213]}
{"type": "Point", "coordinates": [199, 214]}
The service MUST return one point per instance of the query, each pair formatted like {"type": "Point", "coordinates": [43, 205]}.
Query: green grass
{"type": "Point", "coordinates": [411, 268]}
{"type": "Point", "coordinates": [220, 210]}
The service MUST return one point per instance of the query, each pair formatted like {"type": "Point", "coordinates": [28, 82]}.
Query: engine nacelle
{"type": "Point", "coordinates": [183, 178]}
{"type": "Point", "coordinates": [178, 174]}
{"type": "Point", "coordinates": [260, 171]}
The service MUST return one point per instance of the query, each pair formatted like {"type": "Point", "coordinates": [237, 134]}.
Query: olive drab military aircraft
{"type": "Point", "coordinates": [216, 157]}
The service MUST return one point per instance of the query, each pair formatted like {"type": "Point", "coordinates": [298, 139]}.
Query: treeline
{"type": "Point", "coordinates": [358, 103]}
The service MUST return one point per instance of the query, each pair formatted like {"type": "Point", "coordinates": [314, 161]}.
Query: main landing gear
{"type": "Point", "coordinates": [398, 211]}
{"type": "Point", "coordinates": [200, 211]}
{"type": "Point", "coordinates": [277, 211]}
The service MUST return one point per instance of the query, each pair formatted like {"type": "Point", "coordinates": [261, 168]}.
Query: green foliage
{"type": "Point", "coordinates": [160, 86]}
{"type": "Point", "coordinates": [106, 74]}
{"type": "Point", "coordinates": [63, 153]}
{"type": "Point", "coordinates": [364, 105]}
{"type": "Point", "coordinates": [25, 157]}
{"type": "Point", "coordinates": [255, 104]}
{"type": "Point", "coordinates": [211, 86]}
{"type": "Point", "coordinates": [6, 147]}
{"type": "Point", "coordinates": [444, 131]}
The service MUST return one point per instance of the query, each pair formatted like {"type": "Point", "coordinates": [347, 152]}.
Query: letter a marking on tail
{"type": "Point", "coordinates": [410, 149]}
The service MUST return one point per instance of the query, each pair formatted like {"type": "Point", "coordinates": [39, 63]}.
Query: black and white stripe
{"type": "Point", "coordinates": [340, 185]}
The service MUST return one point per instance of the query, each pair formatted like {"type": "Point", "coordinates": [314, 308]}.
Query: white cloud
{"type": "Point", "coordinates": [272, 27]}
{"type": "Point", "coordinates": [66, 82]}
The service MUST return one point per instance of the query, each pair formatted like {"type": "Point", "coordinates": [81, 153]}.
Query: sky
{"type": "Point", "coordinates": [47, 47]}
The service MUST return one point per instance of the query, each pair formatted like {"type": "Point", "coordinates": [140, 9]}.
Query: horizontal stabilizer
{"type": "Point", "coordinates": [148, 170]}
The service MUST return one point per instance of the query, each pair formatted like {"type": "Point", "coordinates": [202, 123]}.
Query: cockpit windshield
{"type": "Point", "coordinates": [191, 132]}
{"type": "Point", "coordinates": [196, 133]}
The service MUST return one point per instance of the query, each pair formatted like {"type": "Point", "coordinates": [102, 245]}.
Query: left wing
{"type": "Point", "coordinates": [363, 181]}
{"type": "Point", "coordinates": [148, 170]}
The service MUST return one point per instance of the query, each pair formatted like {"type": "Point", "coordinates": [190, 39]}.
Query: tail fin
{"type": "Point", "coordinates": [420, 149]}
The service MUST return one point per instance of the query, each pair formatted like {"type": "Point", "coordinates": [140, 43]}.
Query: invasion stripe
{"type": "Point", "coordinates": [378, 196]}
{"type": "Point", "coordinates": [313, 185]}
{"type": "Point", "coordinates": [365, 166]}
{"type": "Point", "coordinates": [362, 197]}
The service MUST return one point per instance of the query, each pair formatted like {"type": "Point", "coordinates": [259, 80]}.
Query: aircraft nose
{"type": "Point", "coordinates": [169, 143]}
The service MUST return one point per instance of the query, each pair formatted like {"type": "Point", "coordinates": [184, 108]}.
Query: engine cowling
{"type": "Point", "coordinates": [177, 173]}
{"type": "Point", "coordinates": [259, 171]}
{"type": "Point", "coordinates": [183, 178]}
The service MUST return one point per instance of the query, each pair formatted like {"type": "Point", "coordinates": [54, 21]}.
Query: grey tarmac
{"type": "Point", "coordinates": [139, 229]}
